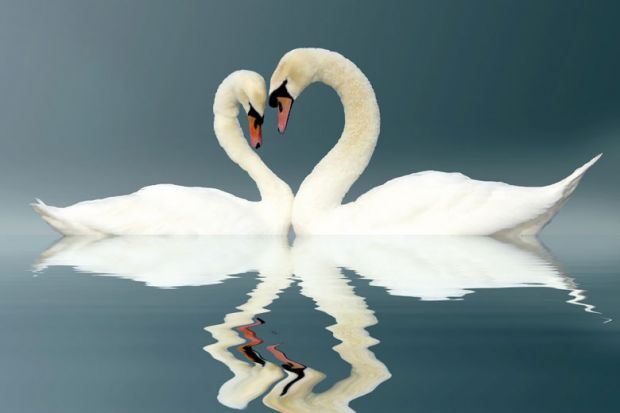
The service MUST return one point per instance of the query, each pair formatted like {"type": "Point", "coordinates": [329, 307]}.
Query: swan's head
{"type": "Point", "coordinates": [252, 95]}
{"type": "Point", "coordinates": [245, 88]}
{"type": "Point", "coordinates": [295, 71]}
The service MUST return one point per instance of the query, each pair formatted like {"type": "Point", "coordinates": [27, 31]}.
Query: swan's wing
{"type": "Point", "coordinates": [433, 202]}
{"type": "Point", "coordinates": [157, 209]}
{"type": "Point", "coordinates": [447, 203]}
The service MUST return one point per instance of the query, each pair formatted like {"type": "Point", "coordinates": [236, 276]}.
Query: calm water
{"type": "Point", "coordinates": [417, 324]}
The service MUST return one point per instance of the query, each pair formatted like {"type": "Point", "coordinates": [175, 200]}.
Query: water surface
{"type": "Point", "coordinates": [322, 324]}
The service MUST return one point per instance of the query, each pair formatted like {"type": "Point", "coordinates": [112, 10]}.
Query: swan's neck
{"type": "Point", "coordinates": [231, 138]}
{"type": "Point", "coordinates": [333, 176]}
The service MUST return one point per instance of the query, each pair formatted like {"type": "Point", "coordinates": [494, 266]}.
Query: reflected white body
{"type": "Point", "coordinates": [434, 268]}
{"type": "Point", "coordinates": [167, 262]}
{"type": "Point", "coordinates": [177, 210]}
{"type": "Point", "coordinates": [427, 202]}
{"type": "Point", "coordinates": [428, 268]}
{"type": "Point", "coordinates": [323, 282]}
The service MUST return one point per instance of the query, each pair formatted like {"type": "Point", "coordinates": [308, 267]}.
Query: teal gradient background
{"type": "Point", "coordinates": [100, 98]}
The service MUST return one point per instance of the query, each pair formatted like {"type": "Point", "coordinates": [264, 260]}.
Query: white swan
{"type": "Point", "coordinates": [172, 209]}
{"type": "Point", "coordinates": [427, 202]}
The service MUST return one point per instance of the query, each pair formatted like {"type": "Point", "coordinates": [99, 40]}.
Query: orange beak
{"type": "Point", "coordinates": [284, 111]}
{"type": "Point", "coordinates": [256, 131]}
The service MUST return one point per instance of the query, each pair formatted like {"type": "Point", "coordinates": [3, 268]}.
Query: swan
{"type": "Point", "coordinates": [177, 210]}
{"type": "Point", "coordinates": [428, 202]}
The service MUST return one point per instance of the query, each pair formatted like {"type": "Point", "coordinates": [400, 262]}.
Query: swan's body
{"type": "Point", "coordinates": [178, 210]}
{"type": "Point", "coordinates": [432, 202]}
{"type": "Point", "coordinates": [421, 203]}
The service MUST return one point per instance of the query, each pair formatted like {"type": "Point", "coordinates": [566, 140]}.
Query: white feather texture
{"type": "Point", "coordinates": [427, 202]}
{"type": "Point", "coordinates": [178, 210]}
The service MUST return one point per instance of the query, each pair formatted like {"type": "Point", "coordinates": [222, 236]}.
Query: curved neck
{"type": "Point", "coordinates": [230, 137]}
{"type": "Point", "coordinates": [333, 176]}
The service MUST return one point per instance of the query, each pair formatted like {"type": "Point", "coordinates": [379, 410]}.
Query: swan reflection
{"type": "Point", "coordinates": [163, 261]}
{"type": "Point", "coordinates": [253, 377]}
{"type": "Point", "coordinates": [444, 268]}
{"type": "Point", "coordinates": [427, 268]}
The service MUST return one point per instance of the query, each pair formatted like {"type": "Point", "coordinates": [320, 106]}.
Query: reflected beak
{"type": "Point", "coordinates": [284, 111]}
{"type": "Point", "coordinates": [256, 131]}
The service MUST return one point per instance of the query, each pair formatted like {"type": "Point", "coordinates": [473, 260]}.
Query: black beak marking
{"type": "Point", "coordinates": [258, 119]}
{"type": "Point", "coordinates": [279, 92]}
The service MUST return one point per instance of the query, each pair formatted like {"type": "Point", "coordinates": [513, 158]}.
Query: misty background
{"type": "Point", "coordinates": [101, 98]}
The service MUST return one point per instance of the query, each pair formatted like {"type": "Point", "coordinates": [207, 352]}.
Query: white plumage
{"type": "Point", "coordinates": [178, 210]}
{"type": "Point", "coordinates": [432, 202]}
{"type": "Point", "coordinates": [427, 202]}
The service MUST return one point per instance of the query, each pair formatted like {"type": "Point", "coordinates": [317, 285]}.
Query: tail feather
{"type": "Point", "coordinates": [569, 183]}
{"type": "Point", "coordinates": [52, 216]}
{"type": "Point", "coordinates": [563, 190]}
{"type": "Point", "coordinates": [567, 186]}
